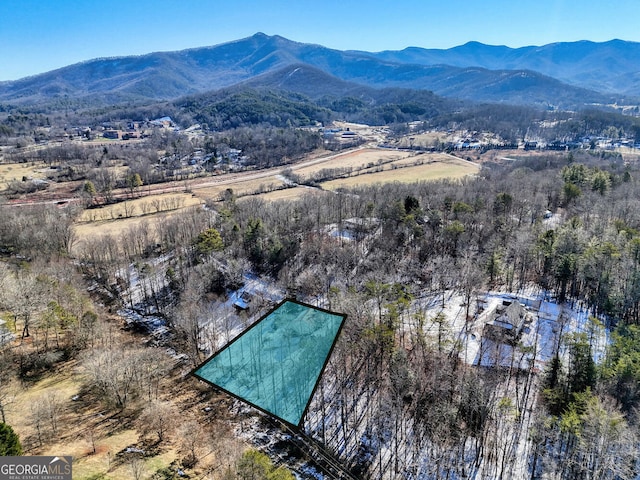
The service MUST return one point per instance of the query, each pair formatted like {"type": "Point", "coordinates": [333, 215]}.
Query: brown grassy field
{"type": "Point", "coordinates": [452, 168]}
{"type": "Point", "coordinates": [430, 158]}
{"type": "Point", "coordinates": [241, 187]}
{"type": "Point", "coordinates": [289, 194]}
{"type": "Point", "coordinates": [118, 218]}
{"type": "Point", "coordinates": [16, 171]}
{"type": "Point", "coordinates": [422, 140]}
{"type": "Point", "coordinates": [115, 227]}
{"type": "Point", "coordinates": [139, 207]}
{"type": "Point", "coordinates": [355, 160]}
{"type": "Point", "coordinates": [397, 167]}
{"type": "Point", "coordinates": [630, 154]}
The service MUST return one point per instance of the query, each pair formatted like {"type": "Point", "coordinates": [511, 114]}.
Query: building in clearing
{"type": "Point", "coordinates": [113, 134]}
{"type": "Point", "coordinates": [507, 322]}
{"type": "Point", "coordinates": [275, 365]}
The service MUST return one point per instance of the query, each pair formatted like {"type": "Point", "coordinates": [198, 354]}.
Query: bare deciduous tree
{"type": "Point", "coordinates": [193, 439]}
{"type": "Point", "coordinates": [121, 374]}
{"type": "Point", "coordinates": [158, 418]}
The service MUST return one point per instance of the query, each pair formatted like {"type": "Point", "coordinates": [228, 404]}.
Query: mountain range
{"type": "Point", "coordinates": [560, 75]}
{"type": "Point", "coordinates": [610, 67]}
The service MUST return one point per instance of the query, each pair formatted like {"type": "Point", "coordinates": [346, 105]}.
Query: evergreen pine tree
{"type": "Point", "coordinates": [9, 442]}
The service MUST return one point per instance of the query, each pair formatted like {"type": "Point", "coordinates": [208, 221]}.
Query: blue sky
{"type": "Point", "coordinates": [41, 35]}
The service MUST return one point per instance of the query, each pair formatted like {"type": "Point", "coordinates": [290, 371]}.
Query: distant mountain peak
{"type": "Point", "coordinates": [470, 71]}
{"type": "Point", "coordinates": [473, 43]}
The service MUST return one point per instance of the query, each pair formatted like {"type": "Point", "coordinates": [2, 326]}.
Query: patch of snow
{"type": "Point", "coordinates": [539, 338]}
{"type": "Point", "coordinates": [134, 450]}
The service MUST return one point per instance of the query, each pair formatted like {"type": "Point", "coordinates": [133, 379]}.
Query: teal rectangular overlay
{"type": "Point", "coordinates": [275, 365]}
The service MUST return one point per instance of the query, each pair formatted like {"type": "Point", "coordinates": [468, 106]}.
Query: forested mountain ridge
{"type": "Point", "coordinates": [300, 95]}
{"type": "Point", "coordinates": [608, 66]}
{"type": "Point", "coordinates": [168, 75]}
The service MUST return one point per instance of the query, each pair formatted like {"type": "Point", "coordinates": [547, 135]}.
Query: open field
{"type": "Point", "coordinates": [455, 168]}
{"type": "Point", "coordinates": [289, 193]}
{"type": "Point", "coordinates": [16, 171]}
{"type": "Point", "coordinates": [424, 140]}
{"type": "Point", "coordinates": [630, 155]}
{"type": "Point", "coordinates": [118, 218]}
{"type": "Point", "coordinates": [436, 160]}
{"type": "Point", "coordinates": [241, 187]}
{"type": "Point", "coordinates": [137, 207]}
{"type": "Point", "coordinates": [373, 165]}
{"type": "Point", "coordinates": [117, 227]}
{"type": "Point", "coordinates": [355, 160]}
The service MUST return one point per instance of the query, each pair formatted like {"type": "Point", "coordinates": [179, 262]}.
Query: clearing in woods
{"type": "Point", "coordinates": [119, 218]}
{"type": "Point", "coordinates": [139, 207]}
{"type": "Point", "coordinates": [116, 228]}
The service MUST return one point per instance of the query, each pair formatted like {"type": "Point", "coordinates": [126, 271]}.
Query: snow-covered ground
{"type": "Point", "coordinates": [5, 335]}
{"type": "Point", "coordinates": [539, 339]}
{"type": "Point", "coordinates": [224, 321]}
{"type": "Point", "coordinates": [256, 294]}
{"type": "Point", "coordinates": [141, 280]}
